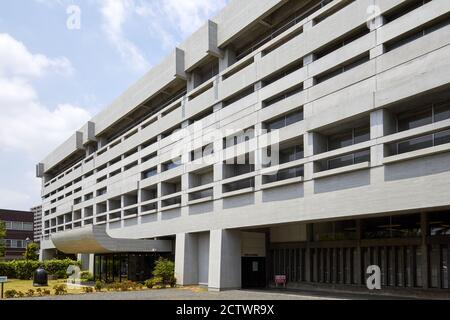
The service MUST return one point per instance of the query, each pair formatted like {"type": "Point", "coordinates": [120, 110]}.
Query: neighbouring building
{"type": "Point", "coordinates": [304, 139]}
{"type": "Point", "coordinates": [19, 232]}
{"type": "Point", "coordinates": [37, 229]}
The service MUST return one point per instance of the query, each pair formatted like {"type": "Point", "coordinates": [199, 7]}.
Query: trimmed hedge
{"type": "Point", "coordinates": [24, 269]}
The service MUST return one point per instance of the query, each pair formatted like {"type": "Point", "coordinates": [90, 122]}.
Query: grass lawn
{"type": "Point", "coordinates": [25, 285]}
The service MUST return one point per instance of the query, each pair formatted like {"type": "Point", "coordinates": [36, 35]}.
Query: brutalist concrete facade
{"type": "Point", "coordinates": [325, 83]}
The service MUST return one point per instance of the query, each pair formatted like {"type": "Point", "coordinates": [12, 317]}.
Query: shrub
{"type": "Point", "coordinates": [88, 289]}
{"type": "Point", "coordinates": [98, 286]}
{"type": "Point", "coordinates": [165, 269]}
{"type": "Point", "coordinates": [24, 269]}
{"type": "Point", "coordinates": [153, 282]}
{"type": "Point", "coordinates": [32, 252]}
{"type": "Point", "coordinates": [115, 286]}
{"type": "Point", "coordinates": [39, 292]}
{"type": "Point", "coordinates": [60, 289]}
{"type": "Point", "coordinates": [20, 294]}
{"type": "Point", "coordinates": [58, 268]}
{"type": "Point", "coordinates": [30, 293]}
{"type": "Point", "coordinates": [86, 276]}
{"type": "Point", "coordinates": [46, 292]}
{"type": "Point", "coordinates": [9, 294]}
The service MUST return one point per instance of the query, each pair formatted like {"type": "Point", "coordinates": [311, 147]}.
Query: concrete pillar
{"type": "Point", "coordinates": [186, 259]}
{"type": "Point", "coordinates": [229, 58]}
{"type": "Point", "coordinates": [85, 261]}
{"type": "Point", "coordinates": [382, 123]}
{"type": "Point", "coordinates": [224, 260]}
{"type": "Point", "coordinates": [47, 254]}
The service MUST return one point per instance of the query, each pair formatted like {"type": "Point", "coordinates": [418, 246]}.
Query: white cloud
{"type": "Point", "coordinates": [26, 124]}
{"type": "Point", "coordinates": [16, 60]}
{"type": "Point", "coordinates": [114, 14]}
{"type": "Point", "coordinates": [174, 20]}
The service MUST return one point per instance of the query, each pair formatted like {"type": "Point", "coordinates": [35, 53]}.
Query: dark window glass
{"type": "Point", "coordinates": [362, 135]}
{"type": "Point", "coordinates": [340, 141]}
{"type": "Point", "coordinates": [362, 156]}
{"type": "Point", "coordinates": [418, 119]}
{"type": "Point", "coordinates": [294, 118]}
{"type": "Point", "coordinates": [291, 154]}
{"type": "Point", "coordinates": [415, 144]}
{"type": "Point", "coordinates": [340, 162]}
{"type": "Point", "coordinates": [442, 112]}
{"type": "Point", "coordinates": [442, 137]}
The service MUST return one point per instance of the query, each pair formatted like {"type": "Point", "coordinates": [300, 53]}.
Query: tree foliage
{"type": "Point", "coordinates": [32, 252]}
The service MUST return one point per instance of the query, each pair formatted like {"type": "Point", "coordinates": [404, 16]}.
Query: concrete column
{"type": "Point", "coordinates": [186, 259]}
{"type": "Point", "coordinates": [224, 260]}
{"type": "Point", "coordinates": [85, 261]}
{"type": "Point", "coordinates": [374, 24]}
{"type": "Point", "coordinates": [382, 123]}
{"type": "Point", "coordinates": [194, 80]}
{"type": "Point", "coordinates": [229, 58]}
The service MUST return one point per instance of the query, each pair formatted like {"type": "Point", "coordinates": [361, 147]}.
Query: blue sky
{"type": "Point", "coordinates": [53, 78]}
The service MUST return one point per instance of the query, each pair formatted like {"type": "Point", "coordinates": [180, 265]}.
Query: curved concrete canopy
{"type": "Point", "coordinates": [95, 239]}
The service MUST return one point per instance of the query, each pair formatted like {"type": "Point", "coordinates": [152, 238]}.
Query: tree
{"type": "Point", "coordinates": [2, 238]}
{"type": "Point", "coordinates": [31, 253]}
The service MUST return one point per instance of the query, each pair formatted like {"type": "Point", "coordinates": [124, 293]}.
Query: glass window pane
{"type": "Point", "coordinates": [442, 137]}
{"type": "Point", "coordinates": [340, 141]}
{"type": "Point", "coordinates": [415, 144]}
{"type": "Point", "coordinates": [16, 225]}
{"type": "Point", "coordinates": [340, 162]}
{"type": "Point", "coordinates": [294, 118]}
{"type": "Point", "coordinates": [277, 124]}
{"type": "Point", "coordinates": [418, 119]}
{"type": "Point", "coordinates": [362, 135]}
{"type": "Point", "coordinates": [362, 156]}
{"type": "Point", "coordinates": [442, 112]}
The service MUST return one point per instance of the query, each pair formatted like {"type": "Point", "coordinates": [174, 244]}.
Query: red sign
{"type": "Point", "coordinates": [280, 279]}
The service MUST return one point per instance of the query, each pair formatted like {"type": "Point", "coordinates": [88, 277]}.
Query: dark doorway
{"type": "Point", "coordinates": [253, 272]}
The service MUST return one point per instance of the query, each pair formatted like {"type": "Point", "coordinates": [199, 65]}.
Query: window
{"type": "Point", "coordinates": [343, 68]}
{"type": "Point", "coordinates": [19, 226]}
{"type": "Point", "coordinates": [291, 154]}
{"type": "Point", "coordinates": [348, 138]}
{"type": "Point", "coordinates": [284, 174]}
{"type": "Point", "coordinates": [282, 96]}
{"type": "Point", "coordinates": [175, 163]}
{"type": "Point", "coordinates": [348, 160]}
{"type": "Point", "coordinates": [423, 142]}
{"type": "Point", "coordinates": [284, 121]}
{"type": "Point", "coordinates": [149, 173]}
{"type": "Point", "coordinates": [414, 35]}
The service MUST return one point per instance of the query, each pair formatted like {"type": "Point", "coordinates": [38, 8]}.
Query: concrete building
{"type": "Point", "coordinates": [19, 232]}
{"type": "Point", "coordinates": [37, 228]}
{"type": "Point", "coordinates": [305, 139]}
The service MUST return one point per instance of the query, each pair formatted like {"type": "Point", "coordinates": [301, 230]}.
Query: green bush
{"type": "Point", "coordinates": [165, 269]}
{"type": "Point", "coordinates": [86, 276]}
{"type": "Point", "coordinates": [60, 289]}
{"type": "Point", "coordinates": [20, 294]}
{"type": "Point", "coordinates": [30, 293]}
{"type": "Point", "coordinates": [58, 268]}
{"type": "Point", "coordinates": [9, 294]}
{"type": "Point", "coordinates": [156, 281]}
{"type": "Point", "coordinates": [88, 289]}
{"type": "Point", "coordinates": [24, 269]}
{"type": "Point", "coordinates": [98, 286]}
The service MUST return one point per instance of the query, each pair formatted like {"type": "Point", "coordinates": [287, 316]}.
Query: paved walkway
{"type": "Point", "coordinates": [189, 294]}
